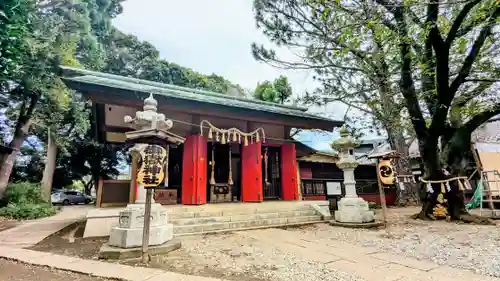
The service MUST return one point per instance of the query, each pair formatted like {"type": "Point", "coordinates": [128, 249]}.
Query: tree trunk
{"type": "Point", "coordinates": [23, 125]}
{"type": "Point", "coordinates": [50, 166]}
{"type": "Point", "coordinates": [9, 161]}
{"type": "Point", "coordinates": [410, 195]}
{"type": "Point", "coordinates": [442, 201]}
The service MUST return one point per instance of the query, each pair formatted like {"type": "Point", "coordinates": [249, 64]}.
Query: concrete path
{"type": "Point", "coordinates": [365, 263]}
{"type": "Point", "coordinates": [32, 232]}
{"type": "Point", "coordinates": [94, 268]}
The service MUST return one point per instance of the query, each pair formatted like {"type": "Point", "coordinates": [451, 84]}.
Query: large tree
{"type": "Point", "coordinates": [351, 59]}
{"type": "Point", "coordinates": [278, 91]}
{"type": "Point", "coordinates": [37, 37]}
{"type": "Point", "coordinates": [432, 63]}
{"type": "Point", "coordinates": [54, 33]}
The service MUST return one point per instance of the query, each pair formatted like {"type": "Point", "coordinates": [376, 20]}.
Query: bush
{"type": "Point", "coordinates": [25, 201]}
{"type": "Point", "coordinates": [373, 205]}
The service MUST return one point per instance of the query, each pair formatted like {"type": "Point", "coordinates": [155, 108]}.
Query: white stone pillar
{"type": "Point", "coordinates": [349, 183]}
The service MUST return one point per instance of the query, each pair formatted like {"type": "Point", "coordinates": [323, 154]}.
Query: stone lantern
{"type": "Point", "coordinates": [352, 209]}
{"type": "Point", "coordinates": [126, 238]}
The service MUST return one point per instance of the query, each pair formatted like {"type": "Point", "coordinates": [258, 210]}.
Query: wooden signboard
{"type": "Point", "coordinates": [152, 161]}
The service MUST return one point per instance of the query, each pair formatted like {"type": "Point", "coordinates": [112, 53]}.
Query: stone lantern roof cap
{"type": "Point", "coordinates": [345, 141]}
{"type": "Point", "coordinates": [150, 103]}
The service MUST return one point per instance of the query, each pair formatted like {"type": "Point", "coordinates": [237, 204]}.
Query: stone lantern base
{"type": "Point", "coordinates": [354, 210]}
{"type": "Point", "coordinates": [128, 233]}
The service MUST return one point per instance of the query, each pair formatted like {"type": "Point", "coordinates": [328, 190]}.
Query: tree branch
{"type": "Point", "coordinates": [466, 97]}
{"type": "Point", "coordinates": [471, 57]}
{"type": "Point", "coordinates": [406, 82]}
{"type": "Point", "coordinates": [452, 34]}
{"type": "Point", "coordinates": [481, 118]}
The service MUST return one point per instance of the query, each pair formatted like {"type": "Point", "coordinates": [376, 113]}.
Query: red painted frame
{"type": "Point", "coordinates": [194, 171]}
{"type": "Point", "coordinates": [251, 176]}
{"type": "Point", "coordinates": [289, 183]}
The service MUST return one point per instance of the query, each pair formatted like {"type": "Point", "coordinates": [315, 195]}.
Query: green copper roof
{"type": "Point", "coordinates": [168, 90]}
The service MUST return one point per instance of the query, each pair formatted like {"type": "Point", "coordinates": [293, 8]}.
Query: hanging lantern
{"type": "Point", "coordinates": [217, 136]}
{"type": "Point", "coordinates": [448, 187]}
{"type": "Point", "coordinates": [245, 142]}
{"type": "Point", "coordinates": [239, 138]}
{"type": "Point", "coordinates": [251, 139]}
{"type": "Point", "coordinates": [210, 134]}
{"type": "Point", "coordinates": [257, 137]}
{"type": "Point", "coordinates": [223, 139]}
{"type": "Point", "coordinates": [235, 137]}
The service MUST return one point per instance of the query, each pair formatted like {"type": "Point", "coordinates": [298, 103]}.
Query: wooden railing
{"type": "Point", "coordinates": [313, 187]}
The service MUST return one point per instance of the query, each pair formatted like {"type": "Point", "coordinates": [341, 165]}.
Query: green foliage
{"type": "Point", "coordinates": [27, 211]}
{"type": "Point", "coordinates": [277, 91]}
{"type": "Point", "coordinates": [24, 200]}
{"type": "Point", "coordinates": [128, 56]}
{"type": "Point", "coordinates": [14, 25]}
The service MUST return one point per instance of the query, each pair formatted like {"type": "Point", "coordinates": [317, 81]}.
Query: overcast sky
{"type": "Point", "coordinates": [214, 37]}
{"type": "Point", "coordinates": [208, 36]}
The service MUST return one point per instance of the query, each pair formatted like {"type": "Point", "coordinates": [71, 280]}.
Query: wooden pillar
{"type": "Point", "coordinates": [299, 182]}
{"type": "Point", "coordinates": [98, 203]}
{"type": "Point", "coordinates": [133, 176]}
{"type": "Point", "coordinates": [194, 171]}
{"type": "Point", "coordinates": [251, 177]}
{"type": "Point", "coordinates": [289, 182]}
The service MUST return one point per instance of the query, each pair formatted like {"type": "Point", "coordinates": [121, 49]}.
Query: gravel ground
{"type": "Point", "coordinates": [240, 258]}
{"type": "Point", "coordinates": [470, 247]}
{"type": "Point", "coordinates": [13, 271]}
{"type": "Point", "coordinates": [234, 257]}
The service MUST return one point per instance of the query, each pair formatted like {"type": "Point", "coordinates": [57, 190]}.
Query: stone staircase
{"type": "Point", "coordinates": [189, 221]}
{"type": "Point", "coordinates": [224, 217]}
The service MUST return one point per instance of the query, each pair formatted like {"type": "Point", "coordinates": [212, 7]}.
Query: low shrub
{"type": "Point", "coordinates": [373, 205]}
{"type": "Point", "coordinates": [25, 200]}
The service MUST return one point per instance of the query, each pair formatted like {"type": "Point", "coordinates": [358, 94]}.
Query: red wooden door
{"type": "Point", "coordinates": [289, 185]}
{"type": "Point", "coordinates": [201, 187]}
{"type": "Point", "coordinates": [194, 171]}
{"type": "Point", "coordinates": [251, 173]}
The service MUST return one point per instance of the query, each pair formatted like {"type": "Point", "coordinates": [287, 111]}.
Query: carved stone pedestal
{"type": "Point", "coordinates": [354, 210]}
{"type": "Point", "coordinates": [128, 233]}
{"type": "Point", "coordinates": [220, 193]}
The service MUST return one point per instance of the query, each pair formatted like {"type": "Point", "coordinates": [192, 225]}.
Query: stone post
{"type": "Point", "coordinates": [352, 209]}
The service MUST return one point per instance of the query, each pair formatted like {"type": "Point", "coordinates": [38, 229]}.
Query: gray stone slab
{"type": "Point", "coordinates": [109, 252]}
{"type": "Point", "coordinates": [171, 276]}
{"type": "Point", "coordinates": [357, 225]}
{"type": "Point", "coordinates": [112, 270]}
{"type": "Point", "coordinates": [412, 263]}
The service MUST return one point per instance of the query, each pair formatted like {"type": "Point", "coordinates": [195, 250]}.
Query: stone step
{"type": "Point", "coordinates": [235, 218]}
{"type": "Point", "coordinates": [242, 225]}
{"type": "Point", "coordinates": [240, 207]}
{"type": "Point", "coordinates": [234, 212]}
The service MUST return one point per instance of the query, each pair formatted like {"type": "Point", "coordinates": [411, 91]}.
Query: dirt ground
{"type": "Point", "coordinates": [14, 271]}
{"type": "Point", "coordinates": [7, 223]}
{"type": "Point", "coordinates": [233, 256]}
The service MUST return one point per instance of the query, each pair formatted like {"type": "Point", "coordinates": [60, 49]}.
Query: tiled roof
{"type": "Point", "coordinates": [489, 132]}
{"type": "Point", "coordinates": [172, 91]}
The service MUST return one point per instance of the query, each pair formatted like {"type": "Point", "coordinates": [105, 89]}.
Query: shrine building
{"type": "Point", "coordinates": [256, 165]}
